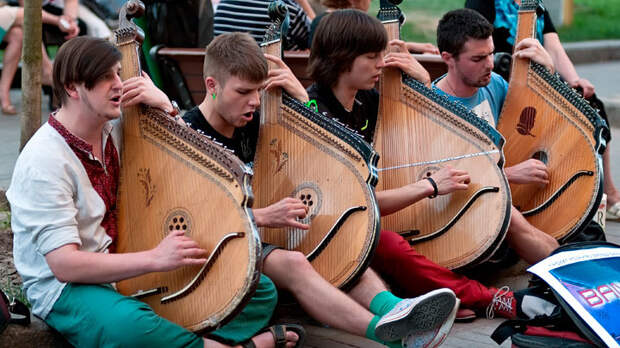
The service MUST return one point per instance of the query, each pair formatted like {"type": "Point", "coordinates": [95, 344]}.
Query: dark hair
{"type": "Point", "coordinates": [85, 60]}
{"type": "Point", "coordinates": [235, 54]}
{"type": "Point", "coordinates": [458, 26]}
{"type": "Point", "coordinates": [340, 37]}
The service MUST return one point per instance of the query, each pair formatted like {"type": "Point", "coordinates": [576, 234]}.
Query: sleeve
{"type": "Point", "coordinates": [549, 27]}
{"type": "Point", "coordinates": [485, 7]}
{"type": "Point", "coordinates": [42, 205]}
{"type": "Point", "coordinates": [299, 30]}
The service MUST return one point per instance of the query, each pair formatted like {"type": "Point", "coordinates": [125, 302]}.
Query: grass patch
{"type": "Point", "coordinates": [422, 17]}
{"type": "Point", "coordinates": [593, 20]}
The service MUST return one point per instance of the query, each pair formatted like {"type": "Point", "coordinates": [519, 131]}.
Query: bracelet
{"type": "Point", "coordinates": [435, 189]}
{"type": "Point", "coordinates": [176, 113]}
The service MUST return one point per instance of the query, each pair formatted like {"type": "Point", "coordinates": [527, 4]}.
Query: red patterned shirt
{"type": "Point", "coordinates": [103, 176]}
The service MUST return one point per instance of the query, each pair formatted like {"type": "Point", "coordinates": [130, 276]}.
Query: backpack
{"type": "Point", "coordinates": [551, 322]}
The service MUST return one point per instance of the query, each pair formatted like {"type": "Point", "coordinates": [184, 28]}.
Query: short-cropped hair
{"type": "Point", "coordinates": [84, 60]}
{"type": "Point", "coordinates": [235, 54]}
{"type": "Point", "coordinates": [458, 26]}
{"type": "Point", "coordinates": [340, 37]}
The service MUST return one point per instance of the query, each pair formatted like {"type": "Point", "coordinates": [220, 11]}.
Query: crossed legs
{"type": "Point", "coordinates": [291, 271]}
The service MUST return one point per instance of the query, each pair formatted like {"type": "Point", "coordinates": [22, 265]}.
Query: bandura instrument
{"type": "Point", "coordinates": [303, 154]}
{"type": "Point", "coordinates": [173, 178]}
{"type": "Point", "coordinates": [543, 118]}
{"type": "Point", "coordinates": [418, 132]}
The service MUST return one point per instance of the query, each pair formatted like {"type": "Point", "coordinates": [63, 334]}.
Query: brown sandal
{"type": "Point", "coordinates": [279, 335]}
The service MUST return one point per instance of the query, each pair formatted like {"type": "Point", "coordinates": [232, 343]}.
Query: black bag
{"type": "Point", "coordinates": [560, 326]}
{"type": "Point", "coordinates": [12, 312]}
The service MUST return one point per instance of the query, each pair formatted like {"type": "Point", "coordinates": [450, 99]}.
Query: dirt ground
{"type": "Point", "coordinates": [9, 279]}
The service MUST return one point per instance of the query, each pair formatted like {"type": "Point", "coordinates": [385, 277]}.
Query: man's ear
{"type": "Point", "coordinates": [210, 84]}
{"type": "Point", "coordinates": [447, 57]}
{"type": "Point", "coordinates": [71, 90]}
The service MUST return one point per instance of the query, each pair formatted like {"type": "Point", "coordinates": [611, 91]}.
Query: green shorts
{"type": "Point", "coordinates": [98, 316]}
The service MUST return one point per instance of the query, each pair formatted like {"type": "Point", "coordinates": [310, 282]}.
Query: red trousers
{"type": "Point", "coordinates": [415, 275]}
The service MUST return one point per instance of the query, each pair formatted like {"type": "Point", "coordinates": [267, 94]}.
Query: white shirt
{"type": "Point", "coordinates": [53, 203]}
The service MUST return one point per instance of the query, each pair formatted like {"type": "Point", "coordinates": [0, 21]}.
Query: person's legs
{"type": "Point", "coordinates": [12, 55]}
{"type": "Point", "coordinates": [613, 195]}
{"type": "Point", "coordinates": [46, 68]}
{"type": "Point", "coordinates": [530, 243]}
{"type": "Point", "coordinates": [254, 316]}
{"type": "Point", "coordinates": [96, 316]}
{"type": "Point", "coordinates": [397, 261]}
{"type": "Point", "coordinates": [291, 271]}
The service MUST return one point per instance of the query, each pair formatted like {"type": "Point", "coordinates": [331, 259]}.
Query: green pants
{"type": "Point", "coordinates": [98, 316]}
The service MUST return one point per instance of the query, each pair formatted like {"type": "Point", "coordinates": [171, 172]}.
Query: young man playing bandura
{"type": "Point", "coordinates": [63, 201]}
{"type": "Point", "coordinates": [345, 76]}
{"type": "Point", "coordinates": [465, 40]}
{"type": "Point", "coordinates": [235, 72]}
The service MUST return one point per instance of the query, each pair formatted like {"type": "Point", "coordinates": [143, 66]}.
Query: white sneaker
{"type": "Point", "coordinates": [414, 316]}
{"type": "Point", "coordinates": [432, 338]}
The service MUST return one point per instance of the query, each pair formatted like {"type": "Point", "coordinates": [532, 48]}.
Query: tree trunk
{"type": "Point", "coordinates": [31, 71]}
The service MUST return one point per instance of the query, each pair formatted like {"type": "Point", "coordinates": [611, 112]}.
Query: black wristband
{"type": "Point", "coordinates": [435, 189]}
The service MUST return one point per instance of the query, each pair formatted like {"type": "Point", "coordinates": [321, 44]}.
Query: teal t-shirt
{"type": "Point", "coordinates": [487, 102]}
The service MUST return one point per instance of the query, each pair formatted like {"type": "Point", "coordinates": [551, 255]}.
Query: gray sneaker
{"type": "Point", "coordinates": [414, 316]}
{"type": "Point", "coordinates": [432, 338]}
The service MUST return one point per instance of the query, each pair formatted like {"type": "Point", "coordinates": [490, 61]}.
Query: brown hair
{"type": "Point", "coordinates": [235, 54]}
{"type": "Point", "coordinates": [340, 37]}
{"type": "Point", "coordinates": [82, 60]}
{"type": "Point", "coordinates": [458, 26]}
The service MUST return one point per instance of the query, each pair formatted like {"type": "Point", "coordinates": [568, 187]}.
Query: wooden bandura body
{"type": "Point", "coordinates": [420, 131]}
{"type": "Point", "coordinates": [545, 119]}
{"type": "Point", "coordinates": [174, 178]}
{"type": "Point", "coordinates": [303, 154]}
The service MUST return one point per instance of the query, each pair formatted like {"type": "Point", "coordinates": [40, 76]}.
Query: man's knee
{"type": "Point", "coordinates": [15, 34]}
{"type": "Point", "coordinates": [285, 268]}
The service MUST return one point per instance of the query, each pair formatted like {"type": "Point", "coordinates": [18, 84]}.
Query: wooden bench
{"type": "Point", "coordinates": [190, 61]}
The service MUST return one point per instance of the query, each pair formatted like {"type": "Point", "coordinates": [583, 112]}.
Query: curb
{"type": "Point", "coordinates": [612, 106]}
{"type": "Point", "coordinates": [586, 52]}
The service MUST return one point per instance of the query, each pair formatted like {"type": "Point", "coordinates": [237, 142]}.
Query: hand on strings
{"type": "Point", "coordinates": [141, 89]}
{"type": "Point", "coordinates": [449, 179]}
{"type": "Point", "coordinates": [417, 47]}
{"type": "Point", "coordinates": [531, 171]}
{"type": "Point", "coordinates": [284, 213]}
{"type": "Point", "coordinates": [585, 85]}
{"type": "Point", "coordinates": [399, 57]}
{"type": "Point", "coordinates": [283, 77]}
{"type": "Point", "coordinates": [177, 250]}
{"type": "Point", "coordinates": [532, 49]}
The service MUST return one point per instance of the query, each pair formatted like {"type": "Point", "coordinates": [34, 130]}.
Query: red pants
{"type": "Point", "coordinates": [398, 262]}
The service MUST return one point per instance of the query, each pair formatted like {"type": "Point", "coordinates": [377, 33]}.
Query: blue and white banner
{"type": "Point", "coordinates": [589, 281]}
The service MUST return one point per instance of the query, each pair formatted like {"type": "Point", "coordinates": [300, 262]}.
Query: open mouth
{"type": "Point", "coordinates": [116, 99]}
{"type": "Point", "coordinates": [248, 116]}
